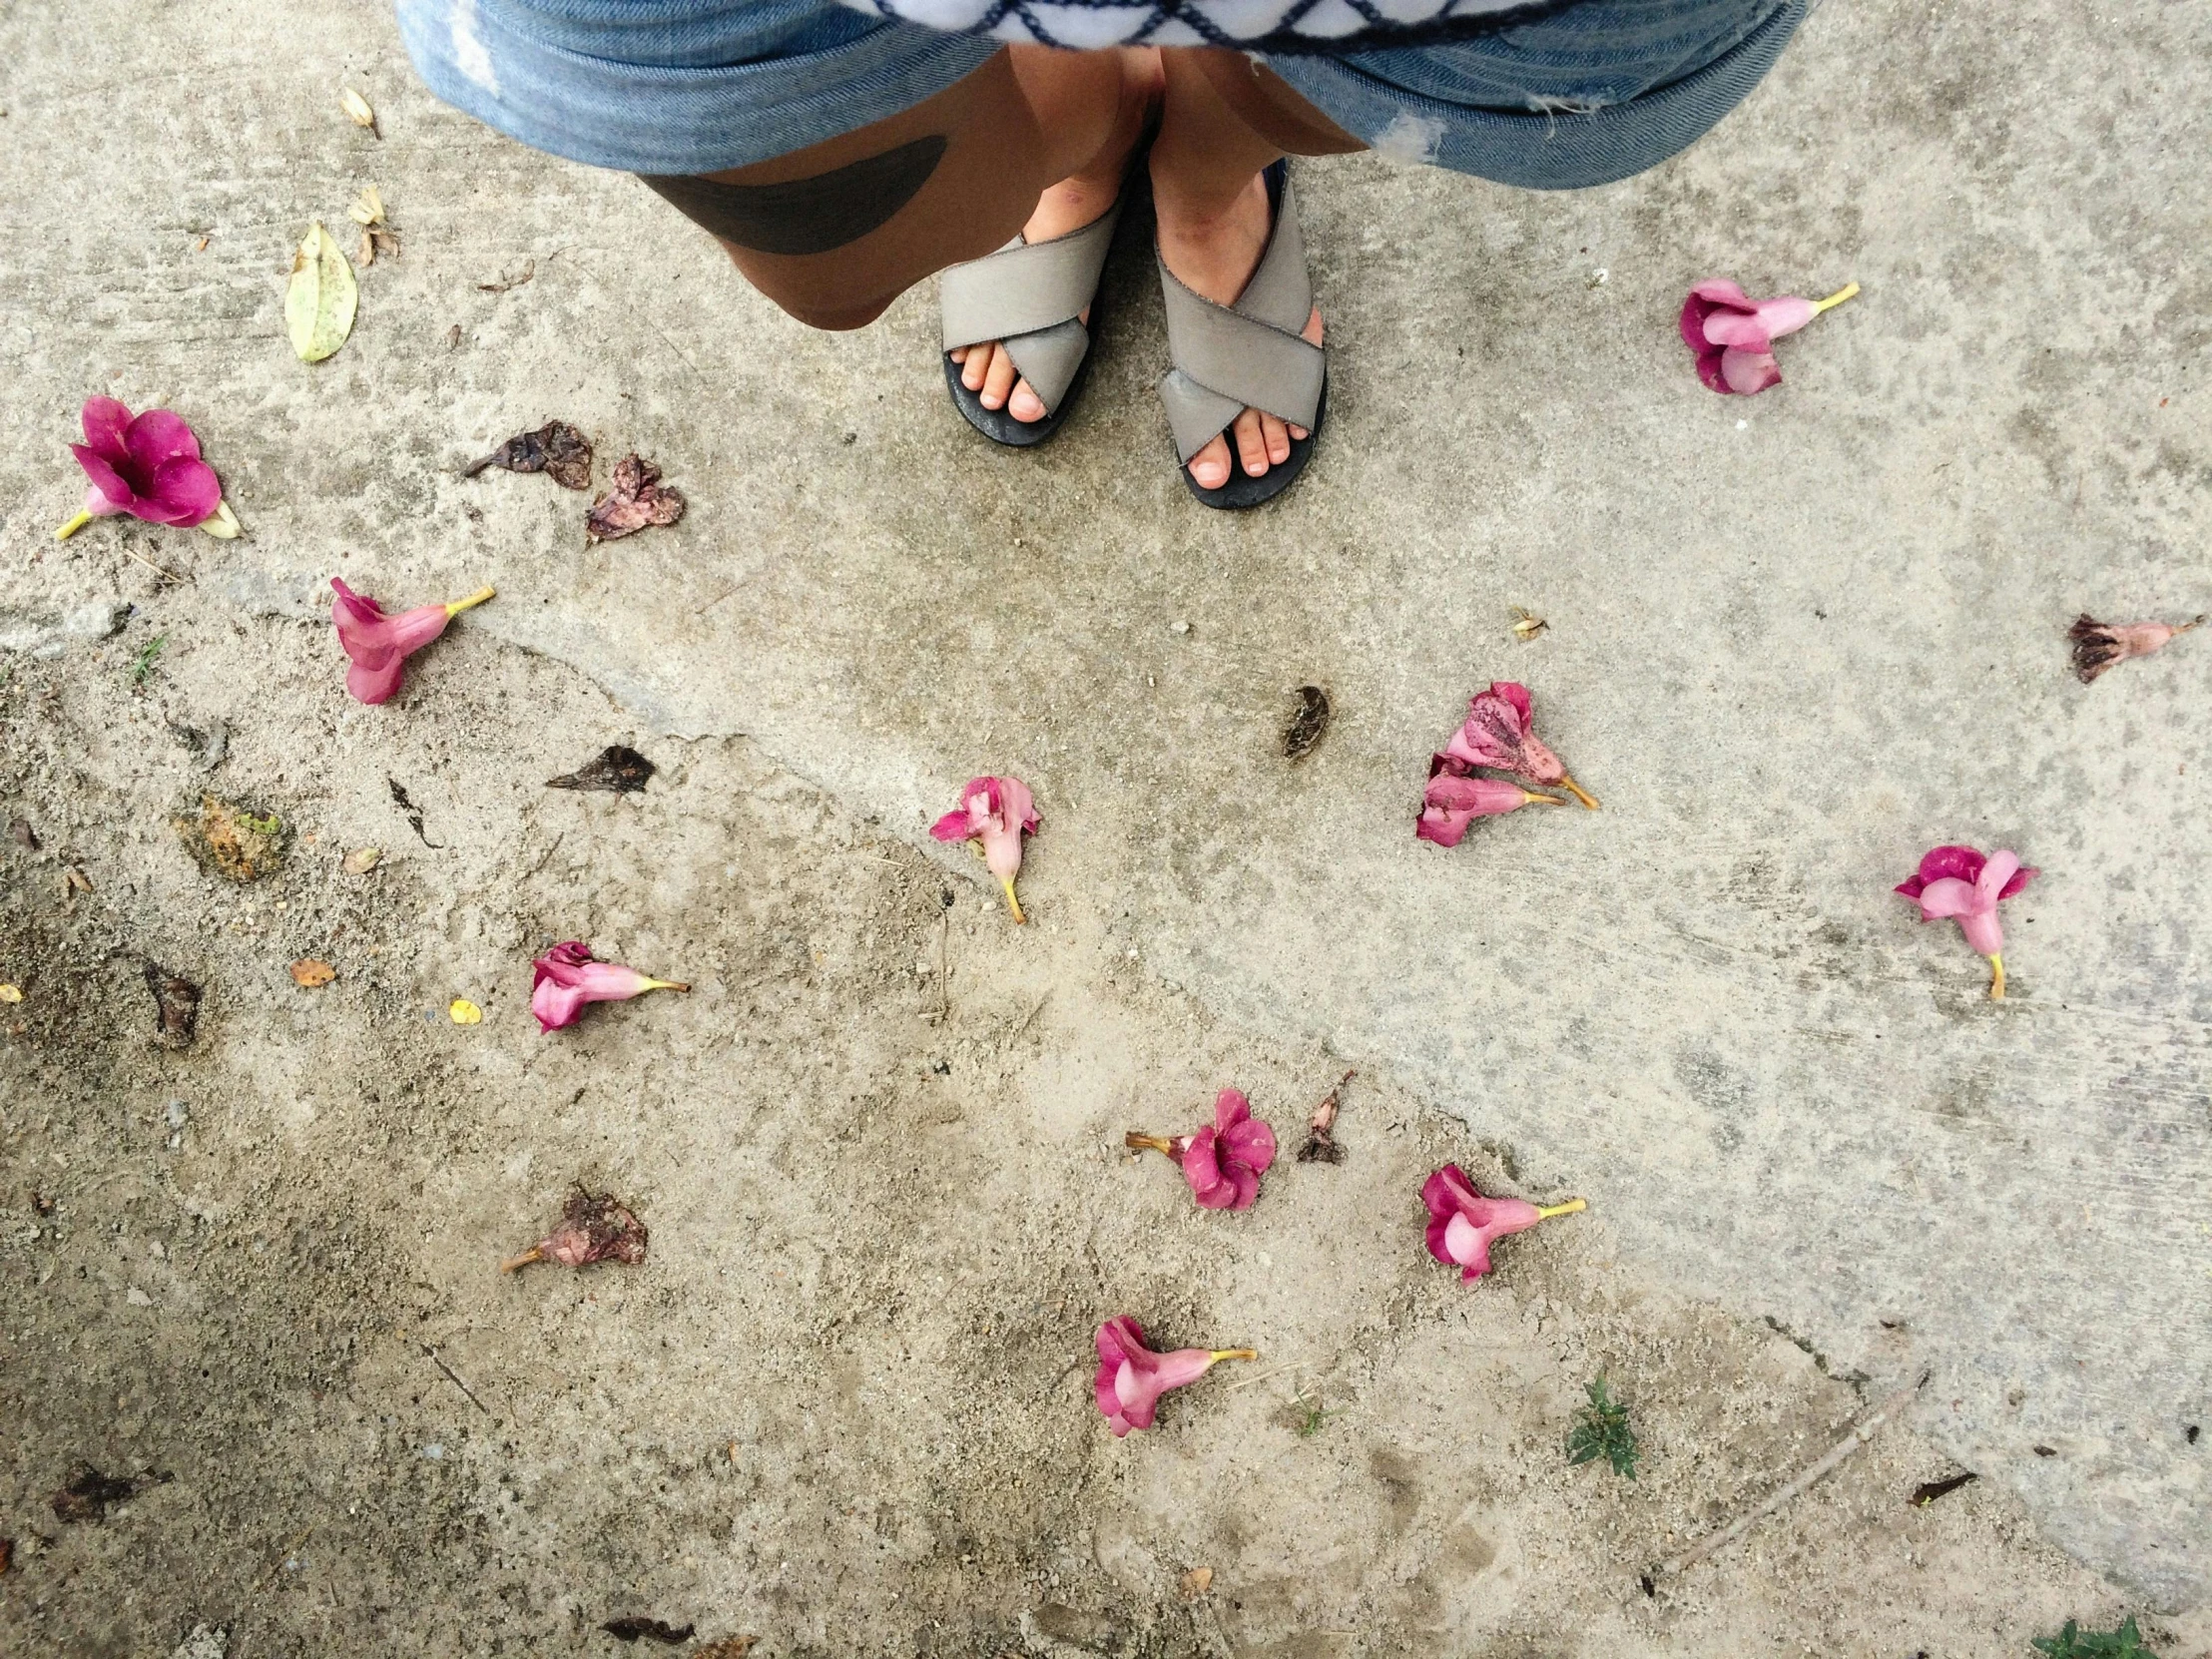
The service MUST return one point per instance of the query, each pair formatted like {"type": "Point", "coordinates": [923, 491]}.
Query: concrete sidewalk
{"type": "Point", "coordinates": [1794, 641]}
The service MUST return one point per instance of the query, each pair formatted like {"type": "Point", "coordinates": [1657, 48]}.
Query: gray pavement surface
{"type": "Point", "coordinates": [1793, 640]}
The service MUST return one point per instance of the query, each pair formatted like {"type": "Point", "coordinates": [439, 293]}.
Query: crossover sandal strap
{"type": "Point", "coordinates": [1029, 297]}
{"type": "Point", "coordinates": [1248, 355]}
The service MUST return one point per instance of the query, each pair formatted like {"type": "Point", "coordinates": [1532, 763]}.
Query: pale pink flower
{"type": "Point", "coordinates": [147, 465]}
{"type": "Point", "coordinates": [994, 814]}
{"type": "Point", "coordinates": [1461, 1222]}
{"type": "Point", "coordinates": [1452, 802]}
{"type": "Point", "coordinates": [1963, 884]}
{"type": "Point", "coordinates": [380, 645]}
{"type": "Point", "coordinates": [1131, 1378]}
{"type": "Point", "coordinates": [567, 977]}
{"type": "Point", "coordinates": [2098, 646]}
{"type": "Point", "coordinates": [1224, 1160]}
{"type": "Point", "coordinates": [1734, 334]}
{"type": "Point", "coordinates": [1497, 735]}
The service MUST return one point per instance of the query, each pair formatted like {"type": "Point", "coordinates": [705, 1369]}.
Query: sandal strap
{"type": "Point", "coordinates": [1248, 355]}
{"type": "Point", "coordinates": [1029, 296]}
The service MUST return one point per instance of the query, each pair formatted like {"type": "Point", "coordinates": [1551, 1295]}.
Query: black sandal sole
{"type": "Point", "coordinates": [1002, 427]}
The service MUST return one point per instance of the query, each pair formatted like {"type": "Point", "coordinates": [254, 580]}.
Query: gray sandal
{"type": "Point", "coordinates": [1229, 358]}
{"type": "Point", "coordinates": [1030, 300]}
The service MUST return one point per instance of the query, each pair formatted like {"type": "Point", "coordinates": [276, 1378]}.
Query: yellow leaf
{"type": "Point", "coordinates": [224, 524]}
{"type": "Point", "coordinates": [9, 993]}
{"type": "Point", "coordinates": [309, 972]}
{"type": "Point", "coordinates": [356, 107]}
{"type": "Point", "coordinates": [462, 1011]}
{"type": "Point", "coordinates": [320, 300]}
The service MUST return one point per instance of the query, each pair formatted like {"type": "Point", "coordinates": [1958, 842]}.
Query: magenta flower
{"type": "Point", "coordinates": [1959, 882]}
{"type": "Point", "coordinates": [994, 813]}
{"type": "Point", "coordinates": [1453, 801]}
{"type": "Point", "coordinates": [1461, 1222]}
{"type": "Point", "coordinates": [568, 976]}
{"type": "Point", "coordinates": [1497, 735]}
{"type": "Point", "coordinates": [1734, 334]}
{"type": "Point", "coordinates": [380, 645]}
{"type": "Point", "coordinates": [1131, 1378]}
{"type": "Point", "coordinates": [147, 465]}
{"type": "Point", "coordinates": [1224, 1162]}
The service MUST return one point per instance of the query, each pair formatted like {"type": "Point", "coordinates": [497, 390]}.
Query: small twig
{"type": "Point", "coordinates": [1811, 1476]}
{"type": "Point", "coordinates": [1034, 1009]}
{"type": "Point", "coordinates": [151, 565]}
{"type": "Point", "coordinates": [454, 1378]}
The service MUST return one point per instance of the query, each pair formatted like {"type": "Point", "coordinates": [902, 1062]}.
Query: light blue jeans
{"type": "Point", "coordinates": [1583, 95]}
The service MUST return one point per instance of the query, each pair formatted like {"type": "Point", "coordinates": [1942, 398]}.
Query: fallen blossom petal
{"type": "Point", "coordinates": [635, 498]}
{"type": "Point", "coordinates": [2098, 646]}
{"type": "Point", "coordinates": [1497, 734]}
{"type": "Point", "coordinates": [568, 976]}
{"type": "Point", "coordinates": [1732, 336]}
{"type": "Point", "coordinates": [1320, 1143]}
{"type": "Point", "coordinates": [593, 1228]}
{"type": "Point", "coordinates": [380, 645]}
{"type": "Point", "coordinates": [1462, 1223]}
{"type": "Point", "coordinates": [1131, 1378]}
{"type": "Point", "coordinates": [1222, 1162]}
{"type": "Point", "coordinates": [1961, 885]}
{"type": "Point", "coordinates": [1454, 800]}
{"type": "Point", "coordinates": [148, 467]}
{"type": "Point", "coordinates": [994, 814]}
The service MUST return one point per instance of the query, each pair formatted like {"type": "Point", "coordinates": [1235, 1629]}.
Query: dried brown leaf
{"type": "Point", "coordinates": [1307, 726]}
{"type": "Point", "coordinates": [616, 769]}
{"type": "Point", "coordinates": [636, 501]}
{"type": "Point", "coordinates": [360, 860]}
{"type": "Point", "coordinates": [231, 840]}
{"type": "Point", "coordinates": [23, 834]}
{"type": "Point", "coordinates": [89, 1495]}
{"type": "Point", "coordinates": [309, 972]}
{"type": "Point", "coordinates": [176, 1005]}
{"type": "Point", "coordinates": [365, 254]}
{"type": "Point", "coordinates": [557, 449]}
{"type": "Point", "coordinates": [1197, 1583]}
{"type": "Point", "coordinates": [630, 1629]}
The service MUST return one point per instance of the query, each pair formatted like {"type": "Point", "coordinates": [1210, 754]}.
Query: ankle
{"type": "Point", "coordinates": [1205, 209]}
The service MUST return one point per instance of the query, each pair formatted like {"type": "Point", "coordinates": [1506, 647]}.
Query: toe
{"type": "Point", "coordinates": [1251, 448]}
{"type": "Point", "coordinates": [1025, 405]}
{"type": "Point", "coordinates": [959, 353]}
{"type": "Point", "coordinates": [978, 364]}
{"type": "Point", "coordinates": [1210, 466]}
{"type": "Point", "coordinates": [999, 381]}
{"type": "Point", "coordinates": [1312, 334]}
{"type": "Point", "coordinates": [1277, 438]}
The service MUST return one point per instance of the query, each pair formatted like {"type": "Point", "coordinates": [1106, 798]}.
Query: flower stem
{"type": "Point", "coordinates": [1233, 1353]}
{"type": "Point", "coordinates": [1837, 299]}
{"type": "Point", "coordinates": [1530, 798]}
{"type": "Point", "coordinates": [459, 605]}
{"type": "Point", "coordinates": [664, 986]}
{"type": "Point", "coordinates": [1576, 790]}
{"type": "Point", "coordinates": [1997, 979]}
{"type": "Point", "coordinates": [1012, 903]}
{"type": "Point", "coordinates": [533, 1253]}
{"type": "Point", "coordinates": [1148, 1143]}
{"type": "Point", "coordinates": [73, 526]}
{"type": "Point", "coordinates": [1544, 1212]}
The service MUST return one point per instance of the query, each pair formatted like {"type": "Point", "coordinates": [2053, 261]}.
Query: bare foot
{"type": "Point", "coordinates": [986, 369]}
{"type": "Point", "coordinates": [1216, 258]}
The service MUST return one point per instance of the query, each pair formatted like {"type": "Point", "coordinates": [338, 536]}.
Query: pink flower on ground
{"type": "Point", "coordinates": [380, 645]}
{"type": "Point", "coordinates": [1461, 1222]}
{"type": "Point", "coordinates": [1959, 882]}
{"type": "Point", "coordinates": [994, 814]}
{"type": "Point", "coordinates": [147, 465]}
{"type": "Point", "coordinates": [593, 1228]}
{"type": "Point", "coordinates": [2098, 646]}
{"type": "Point", "coordinates": [1131, 1378]}
{"type": "Point", "coordinates": [1224, 1162]}
{"type": "Point", "coordinates": [567, 977]}
{"type": "Point", "coordinates": [1733, 335]}
{"type": "Point", "coordinates": [1497, 735]}
{"type": "Point", "coordinates": [1452, 802]}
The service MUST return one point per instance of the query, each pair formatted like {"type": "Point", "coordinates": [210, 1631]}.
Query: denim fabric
{"type": "Point", "coordinates": [678, 86]}
{"type": "Point", "coordinates": [1586, 96]}
{"type": "Point", "coordinates": [1593, 92]}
